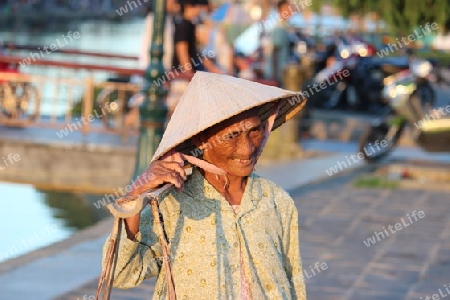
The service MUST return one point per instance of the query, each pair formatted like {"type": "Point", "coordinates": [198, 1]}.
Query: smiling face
{"type": "Point", "coordinates": [233, 144]}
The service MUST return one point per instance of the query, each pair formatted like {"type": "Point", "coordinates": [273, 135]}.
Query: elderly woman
{"type": "Point", "coordinates": [231, 233]}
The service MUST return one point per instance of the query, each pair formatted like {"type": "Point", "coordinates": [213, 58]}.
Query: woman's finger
{"type": "Point", "coordinates": [173, 156]}
{"type": "Point", "coordinates": [173, 178]}
{"type": "Point", "coordinates": [173, 166]}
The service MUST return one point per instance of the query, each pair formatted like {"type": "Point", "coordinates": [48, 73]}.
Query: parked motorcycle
{"type": "Point", "coordinates": [411, 99]}
{"type": "Point", "coordinates": [333, 82]}
{"type": "Point", "coordinates": [362, 89]}
{"type": "Point", "coordinates": [299, 46]}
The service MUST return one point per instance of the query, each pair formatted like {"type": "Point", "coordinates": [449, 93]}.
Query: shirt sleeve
{"type": "Point", "coordinates": [138, 259]}
{"type": "Point", "coordinates": [181, 33]}
{"type": "Point", "coordinates": [293, 263]}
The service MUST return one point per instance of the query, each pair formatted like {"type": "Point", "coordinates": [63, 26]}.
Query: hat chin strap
{"type": "Point", "coordinates": [203, 164]}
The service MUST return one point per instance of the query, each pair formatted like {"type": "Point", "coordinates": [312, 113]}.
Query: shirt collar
{"type": "Point", "coordinates": [252, 194]}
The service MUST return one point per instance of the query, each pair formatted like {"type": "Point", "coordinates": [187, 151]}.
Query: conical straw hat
{"type": "Point", "coordinates": [212, 98]}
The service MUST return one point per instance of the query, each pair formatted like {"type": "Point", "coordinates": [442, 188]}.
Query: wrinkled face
{"type": "Point", "coordinates": [233, 144]}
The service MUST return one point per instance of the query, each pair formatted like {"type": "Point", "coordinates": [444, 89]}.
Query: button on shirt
{"type": "Point", "coordinates": [215, 252]}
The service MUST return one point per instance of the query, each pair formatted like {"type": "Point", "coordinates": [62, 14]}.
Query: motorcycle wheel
{"type": "Point", "coordinates": [368, 141]}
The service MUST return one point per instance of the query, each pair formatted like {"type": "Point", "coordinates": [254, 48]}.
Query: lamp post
{"type": "Point", "coordinates": [153, 110]}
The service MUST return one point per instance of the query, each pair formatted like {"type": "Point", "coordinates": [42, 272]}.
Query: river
{"type": "Point", "coordinates": [121, 38]}
{"type": "Point", "coordinates": [104, 37]}
{"type": "Point", "coordinates": [33, 218]}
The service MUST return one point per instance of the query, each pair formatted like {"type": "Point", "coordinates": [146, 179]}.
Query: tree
{"type": "Point", "coordinates": [406, 15]}
{"type": "Point", "coordinates": [402, 16]}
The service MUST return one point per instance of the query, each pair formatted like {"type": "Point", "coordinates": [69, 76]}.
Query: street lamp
{"type": "Point", "coordinates": [153, 110]}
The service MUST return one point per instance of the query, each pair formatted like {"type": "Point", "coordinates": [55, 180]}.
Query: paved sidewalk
{"type": "Point", "coordinates": [410, 263]}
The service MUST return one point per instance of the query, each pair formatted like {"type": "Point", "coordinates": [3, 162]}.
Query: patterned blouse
{"type": "Point", "coordinates": [212, 247]}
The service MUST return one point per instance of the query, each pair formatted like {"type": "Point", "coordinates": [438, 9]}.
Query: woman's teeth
{"type": "Point", "coordinates": [242, 161]}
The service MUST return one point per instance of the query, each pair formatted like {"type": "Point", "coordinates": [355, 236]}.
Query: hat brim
{"type": "Point", "coordinates": [210, 99]}
{"type": "Point", "coordinates": [290, 106]}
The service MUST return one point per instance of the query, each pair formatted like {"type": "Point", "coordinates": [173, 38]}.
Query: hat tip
{"type": "Point", "coordinates": [206, 76]}
{"type": "Point", "coordinates": [199, 74]}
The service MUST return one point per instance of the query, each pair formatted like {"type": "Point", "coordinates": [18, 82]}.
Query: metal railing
{"type": "Point", "coordinates": [42, 101]}
{"type": "Point", "coordinates": [29, 100]}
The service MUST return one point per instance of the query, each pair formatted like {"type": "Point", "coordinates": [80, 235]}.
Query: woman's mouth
{"type": "Point", "coordinates": [242, 162]}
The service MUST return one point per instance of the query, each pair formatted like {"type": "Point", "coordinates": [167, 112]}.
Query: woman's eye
{"type": "Point", "coordinates": [231, 136]}
{"type": "Point", "coordinates": [256, 131]}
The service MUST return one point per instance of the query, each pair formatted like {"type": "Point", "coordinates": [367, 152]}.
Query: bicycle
{"type": "Point", "coordinates": [19, 101]}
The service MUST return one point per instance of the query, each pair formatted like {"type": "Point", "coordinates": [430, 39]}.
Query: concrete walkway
{"type": "Point", "coordinates": [337, 219]}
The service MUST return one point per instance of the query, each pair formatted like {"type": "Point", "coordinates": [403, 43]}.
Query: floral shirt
{"type": "Point", "coordinates": [210, 243]}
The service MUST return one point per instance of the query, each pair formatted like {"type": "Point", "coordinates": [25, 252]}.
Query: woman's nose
{"type": "Point", "coordinates": [245, 146]}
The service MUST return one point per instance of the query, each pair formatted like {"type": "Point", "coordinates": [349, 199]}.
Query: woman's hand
{"type": "Point", "coordinates": [168, 169]}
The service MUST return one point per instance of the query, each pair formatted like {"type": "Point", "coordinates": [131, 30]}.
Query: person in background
{"type": "Point", "coordinates": [172, 8]}
{"type": "Point", "coordinates": [186, 58]}
{"type": "Point", "coordinates": [279, 56]}
{"type": "Point", "coordinates": [212, 40]}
